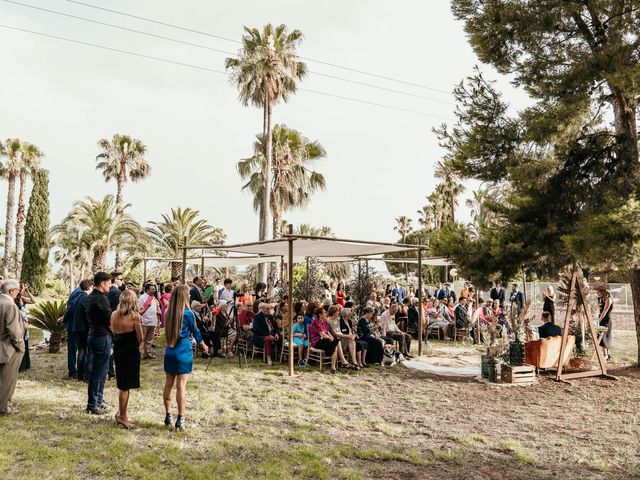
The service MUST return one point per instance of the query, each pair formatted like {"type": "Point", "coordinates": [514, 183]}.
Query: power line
{"type": "Point", "coordinates": [227, 39]}
{"type": "Point", "coordinates": [200, 67]}
{"type": "Point", "coordinates": [206, 47]}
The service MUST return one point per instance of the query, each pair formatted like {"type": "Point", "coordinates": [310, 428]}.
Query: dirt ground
{"type": "Point", "coordinates": [387, 423]}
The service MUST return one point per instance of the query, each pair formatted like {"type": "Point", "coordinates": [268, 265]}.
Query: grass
{"type": "Point", "coordinates": [256, 422]}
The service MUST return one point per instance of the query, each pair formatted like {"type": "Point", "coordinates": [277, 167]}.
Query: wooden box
{"type": "Point", "coordinates": [522, 374]}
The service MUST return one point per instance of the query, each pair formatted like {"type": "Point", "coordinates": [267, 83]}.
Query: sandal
{"type": "Point", "coordinates": [333, 370]}
{"type": "Point", "coordinates": [126, 424]}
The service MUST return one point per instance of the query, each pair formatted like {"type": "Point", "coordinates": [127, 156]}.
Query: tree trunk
{"type": "Point", "coordinates": [266, 197]}
{"type": "Point", "coordinates": [99, 260]}
{"type": "Point", "coordinates": [119, 207]}
{"type": "Point", "coordinates": [9, 225]}
{"type": "Point", "coordinates": [20, 219]}
{"type": "Point", "coordinates": [453, 207]}
{"type": "Point", "coordinates": [176, 269]}
{"type": "Point", "coordinates": [634, 281]}
{"type": "Point", "coordinates": [54, 342]}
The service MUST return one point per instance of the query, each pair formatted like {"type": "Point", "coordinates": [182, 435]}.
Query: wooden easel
{"type": "Point", "coordinates": [578, 287]}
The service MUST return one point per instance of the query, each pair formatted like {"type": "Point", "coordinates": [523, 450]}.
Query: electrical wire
{"type": "Point", "coordinates": [200, 67]}
{"type": "Point", "coordinates": [220, 37]}
{"type": "Point", "coordinates": [206, 47]}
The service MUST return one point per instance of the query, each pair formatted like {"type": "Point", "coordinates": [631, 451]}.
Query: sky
{"type": "Point", "coordinates": [64, 97]}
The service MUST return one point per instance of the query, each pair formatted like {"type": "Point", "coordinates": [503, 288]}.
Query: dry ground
{"type": "Point", "coordinates": [379, 423]}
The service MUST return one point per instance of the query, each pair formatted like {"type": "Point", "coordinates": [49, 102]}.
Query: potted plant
{"type": "Point", "coordinates": [46, 316]}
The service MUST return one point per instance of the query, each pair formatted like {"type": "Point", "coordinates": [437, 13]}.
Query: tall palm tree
{"type": "Point", "coordinates": [122, 159]}
{"type": "Point", "coordinates": [427, 217]}
{"type": "Point", "coordinates": [29, 163]}
{"type": "Point", "coordinates": [168, 234]}
{"type": "Point", "coordinates": [292, 181]}
{"type": "Point", "coordinates": [70, 251]}
{"type": "Point", "coordinates": [452, 185]}
{"type": "Point", "coordinates": [13, 151]}
{"type": "Point", "coordinates": [266, 72]}
{"type": "Point", "coordinates": [101, 228]}
{"type": "Point", "coordinates": [483, 215]}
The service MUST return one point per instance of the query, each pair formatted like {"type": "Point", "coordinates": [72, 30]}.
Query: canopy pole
{"type": "Point", "coordinates": [184, 260]}
{"type": "Point", "coordinates": [306, 273]}
{"type": "Point", "coordinates": [420, 307]}
{"type": "Point", "coordinates": [282, 268]}
{"type": "Point", "coordinates": [202, 263]}
{"type": "Point", "coordinates": [144, 269]}
{"type": "Point", "coordinates": [290, 284]}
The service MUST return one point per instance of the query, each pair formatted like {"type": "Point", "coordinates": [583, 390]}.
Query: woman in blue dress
{"type": "Point", "coordinates": [179, 325]}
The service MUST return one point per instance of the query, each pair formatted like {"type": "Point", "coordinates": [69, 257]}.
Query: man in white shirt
{"type": "Point", "coordinates": [389, 329]}
{"type": "Point", "coordinates": [227, 294]}
{"type": "Point", "coordinates": [149, 313]}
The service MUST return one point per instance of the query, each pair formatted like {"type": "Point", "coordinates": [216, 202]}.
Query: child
{"type": "Point", "coordinates": [300, 338]}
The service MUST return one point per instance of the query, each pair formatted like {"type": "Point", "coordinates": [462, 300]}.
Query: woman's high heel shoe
{"type": "Point", "coordinates": [179, 424]}
{"type": "Point", "coordinates": [168, 419]}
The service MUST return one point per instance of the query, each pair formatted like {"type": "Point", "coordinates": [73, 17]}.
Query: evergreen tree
{"type": "Point", "coordinates": [36, 235]}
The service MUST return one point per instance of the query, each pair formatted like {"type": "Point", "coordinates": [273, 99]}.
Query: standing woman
{"type": "Point", "coordinates": [179, 325]}
{"type": "Point", "coordinates": [23, 299]}
{"type": "Point", "coordinates": [550, 302]}
{"type": "Point", "coordinates": [127, 337]}
{"type": "Point", "coordinates": [164, 301]}
{"type": "Point", "coordinates": [340, 295]}
{"type": "Point", "coordinates": [604, 320]}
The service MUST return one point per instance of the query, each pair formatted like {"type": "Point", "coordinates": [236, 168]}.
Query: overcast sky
{"type": "Point", "coordinates": [65, 97]}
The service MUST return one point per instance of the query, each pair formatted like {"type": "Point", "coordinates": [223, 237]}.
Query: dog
{"type": "Point", "coordinates": [391, 356]}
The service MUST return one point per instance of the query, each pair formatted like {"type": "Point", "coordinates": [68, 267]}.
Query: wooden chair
{"type": "Point", "coordinates": [318, 356]}
{"type": "Point", "coordinates": [260, 350]}
{"type": "Point", "coordinates": [461, 333]}
{"type": "Point", "coordinates": [433, 329]}
{"type": "Point", "coordinates": [413, 331]}
{"type": "Point", "coordinates": [243, 347]}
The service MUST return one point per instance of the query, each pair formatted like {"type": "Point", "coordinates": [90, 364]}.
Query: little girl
{"type": "Point", "coordinates": [300, 338]}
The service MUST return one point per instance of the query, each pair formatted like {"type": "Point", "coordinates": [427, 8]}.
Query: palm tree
{"type": "Point", "coordinates": [70, 252]}
{"type": "Point", "coordinates": [46, 316]}
{"type": "Point", "coordinates": [427, 217]}
{"type": "Point", "coordinates": [13, 151]}
{"type": "Point", "coordinates": [168, 234]}
{"type": "Point", "coordinates": [265, 72]}
{"type": "Point", "coordinates": [404, 228]}
{"type": "Point", "coordinates": [451, 186]}
{"type": "Point", "coordinates": [101, 228]}
{"type": "Point", "coordinates": [29, 163]}
{"type": "Point", "coordinates": [121, 159]}
{"type": "Point", "coordinates": [306, 229]}
{"type": "Point", "coordinates": [482, 214]}
{"type": "Point", "coordinates": [292, 181]}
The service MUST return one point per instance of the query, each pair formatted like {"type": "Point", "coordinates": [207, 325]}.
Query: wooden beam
{"type": "Point", "coordinates": [594, 337]}
{"type": "Point", "coordinates": [291, 319]}
{"type": "Point", "coordinates": [184, 260]}
{"type": "Point", "coordinates": [567, 319]}
{"type": "Point", "coordinates": [420, 308]}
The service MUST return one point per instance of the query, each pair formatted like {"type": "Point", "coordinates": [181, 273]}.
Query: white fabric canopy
{"type": "Point", "coordinates": [222, 262]}
{"type": "Point", "coordinates": [434, 262]}
{"type": "Point", "coordinates": [307, 247]}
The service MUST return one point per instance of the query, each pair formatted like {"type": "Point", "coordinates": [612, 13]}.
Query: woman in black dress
{"type": "Point", "coordinates": [374, 344]}
{"type": "Point", "coordinates": [127, 336]}
{"type": "Point", "coordinates": [550, 302]}
{"type": "Point", "coordinates": [604, 320]}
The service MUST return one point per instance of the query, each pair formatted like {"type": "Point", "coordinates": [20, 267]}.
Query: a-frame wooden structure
{"type": "Point", "coordinates": [577, 296]}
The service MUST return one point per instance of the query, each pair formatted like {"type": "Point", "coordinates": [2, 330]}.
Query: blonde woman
{"type": "Point", "coordinates": [127, 336]}
{"type": "Point", "coordinates": [550, 302]}
{"type": "Point", "coordinates": [179, 325]}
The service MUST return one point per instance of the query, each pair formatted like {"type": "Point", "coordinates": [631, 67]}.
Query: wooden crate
{"type": "Point", "coordinates": [518, 374]}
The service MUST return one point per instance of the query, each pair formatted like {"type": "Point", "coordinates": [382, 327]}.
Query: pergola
{"type": "Point", "coordinates": [297, 248]}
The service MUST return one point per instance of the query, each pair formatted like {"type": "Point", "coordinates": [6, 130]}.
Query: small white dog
{"type": "Point", "coordinates": [391, 356]}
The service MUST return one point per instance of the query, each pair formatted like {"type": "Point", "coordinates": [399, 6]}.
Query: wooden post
{"type": "Point", "coordinates": [281, 269]}
{"type": "Point", "coordinates": [524, 286]}
{"type": "Point", "coordinates": [184, 260]}
{"type": "Point", "coordinates": [592, 328]}
{"type": "Point", "coordinates": [291, 318]}
{"type": "Point", "coordinates": [202, 262]}
{"type": "Point", "coordinates": [420, 308]}
{"type": "Point", "coordinates": [307, 273]}
{"type": "Point", "coordinates": [144, 269]}
{"type": "Point", "coordinates": [567, 318]}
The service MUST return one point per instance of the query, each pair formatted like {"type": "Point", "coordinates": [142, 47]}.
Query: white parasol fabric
{"type": "Point", "coordinates": [318, 248]}
{"type": "Point", "coordinates": [222, 262]}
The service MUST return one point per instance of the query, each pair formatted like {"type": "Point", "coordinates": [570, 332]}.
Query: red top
{"type": "Point", "coordinates": [316, 327]}
{"type": "Point", "coordinates": [340, 298]}
{"type": "Point", "coordinates": [245, 318]}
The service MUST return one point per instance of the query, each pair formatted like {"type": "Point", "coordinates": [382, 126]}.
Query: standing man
{"type": "Point", "coordinates": [497, 293]}
{"type": "Point", "coordinates": [226, 294]}
{"type": "Point", "coordinates": [149, 312]}
{"type": "Point", "coordinates": [75, 322]}
{"type": "Point", "coordinates": [11, 342]}
{"type": "Point", "coordinates": [100, 341]}
{"type": "Point", "coordinates": [516, 298]}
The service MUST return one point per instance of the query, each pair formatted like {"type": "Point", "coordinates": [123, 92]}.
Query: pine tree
{"type": "Point", "coordinates": [36, 235]}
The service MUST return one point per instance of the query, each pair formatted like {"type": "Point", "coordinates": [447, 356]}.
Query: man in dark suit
{"type": "Point", "coordinates": [497, 293]}
{"type": "Point", "coordinates": [516, 298]}
{"type": "Point", "coordinates": [548, 328]}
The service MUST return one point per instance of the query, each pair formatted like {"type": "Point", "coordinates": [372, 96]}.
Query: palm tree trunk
{"type": "Point", "coordinates": [20, 219]}
{"type": "Point", "coordinates": [9, 225]}
{"type": "Point", "coordinates": [99, 261]}
{"type": "Point", "coordinates": [176, 269]}
{"type": "Point", "coordinates": [453, 207]}
{"type": "Point", "coordinates": [119, 207]}
{"type": "Point", "coordinates": [266, 197]}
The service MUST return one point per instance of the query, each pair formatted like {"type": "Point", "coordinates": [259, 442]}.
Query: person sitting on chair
{"type": "Point", "coordinates": [460, 313]}
{"type": "Point", "coordinates": [263, 330]}
{"type": "Point", "coordinates": [548, 328]}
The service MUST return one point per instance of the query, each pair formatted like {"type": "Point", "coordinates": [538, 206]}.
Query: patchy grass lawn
{"type": "Point", "coordinates": [378, 423]}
